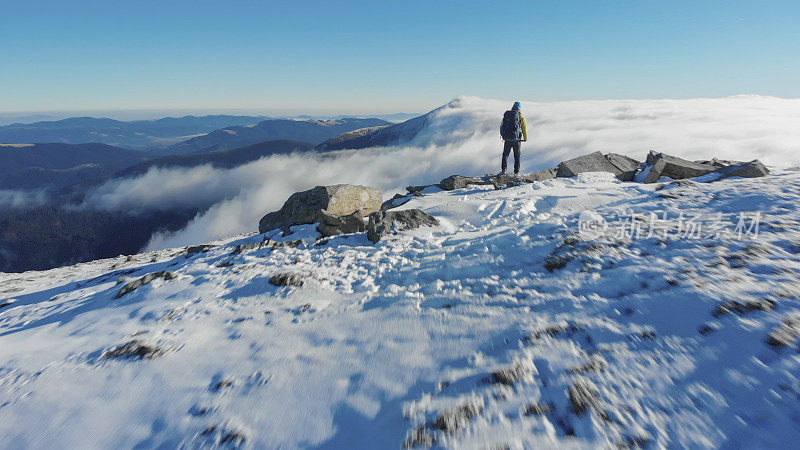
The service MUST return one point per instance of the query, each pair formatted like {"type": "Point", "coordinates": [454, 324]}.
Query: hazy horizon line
{"type": "Point", "coordinates": [158, 113]}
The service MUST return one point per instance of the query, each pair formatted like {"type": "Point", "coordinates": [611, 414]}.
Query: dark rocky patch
{"type": "Point", "coordinates": [752, 169]}
{"type": "Point", "coordinates": [199, 248]}
{"type": "Point", "coordinates": [133, 285]}
{"type": "Point", "coordinates": [554, 330]}
{"type": "Point", "coordinates": [134, 350]}
{"type": "Point", "coordinates": [568, 250]}
{"type": "Point", "coordinates": [221, 384]}
{"type": "Point", "coordinates": [537, 409]}
{"type": "Point", "coordinates": [199, 411]}
{"type": "Point", "coordinates": [332, 225]}
{"type": "Point", "coordinates": [420, 437]}
{"type": "Point", "coordinates": [582, 395]}
{"type": "Point", "coordinates": [705, 329]}
{"type": "Point", "coordinates": [677, 183]}
{"type": "Point", "coordinates": [399, 200]}
{"type": "Point", "coordinates": [510, 375]}
{"type": "Point", "coordinates": [786, 334]}
{"type": "Point", "coordinates": [593, 366]}
{"type": "Point", "coordinates": [452, 420]}
{"type": "Point", "coordinates": [634, 442]}
{"type": "Point", "coordinates": [454, 182]}
{"type": "Point", "coordinates": [627, 166]}
{"type": "Point", "coordinates": [225, 436]}
{"type": "Point", "coordinates": [383, 223]}
{"type": "Point", "coordinates": [741, 307]}
{"type": "Point", "coordinates": [286, 279]}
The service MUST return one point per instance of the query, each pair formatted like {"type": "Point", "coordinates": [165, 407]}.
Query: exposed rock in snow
{"type": "Point", "coordinates": [745, 306]}
{"type": "Point", "coordinates": [131, 286]}
{"type": "Point", "coordinates": [304, 207]}
{"type": "Point", "coordinates": [510, 375]}
{"type": "Point", "coordinates": [540, 175]}
{"type": "Point", "coordinates": [332, 225]}
{"type": "Point", "coordinates": [787, 333]}
{"type": "Point", "coordinates": [198, 249]}
{"type": "Point", "coordinates": [384, 223]}
{"type": "Point", "coordinates": [454, 182]}
{"type": "Point", "coordinates": [626, 166]}
{"type": "Point", "coordinates": [593, 162]}
{"type": "Point", "coordinates": [134, 349]}
{"type": "Point", "coordinates": [286, 279]}
{"type": "Point", "coordinates": [677, 183]}
{"type": "Point", "coordinates": [454, 419]}
{"type": "Point", "coordinates": [752, 169]}
{"type": "Point", "coordinates": [582, 395]}
{"type": "Point", "coordinates": [662, 165]}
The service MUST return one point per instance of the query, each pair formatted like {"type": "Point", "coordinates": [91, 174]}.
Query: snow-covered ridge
{"type": "Point", "coordinates": [501, 327]}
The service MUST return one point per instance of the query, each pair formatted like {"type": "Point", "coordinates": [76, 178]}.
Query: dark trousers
{"type": "Point", "coordinates": [506, 150]}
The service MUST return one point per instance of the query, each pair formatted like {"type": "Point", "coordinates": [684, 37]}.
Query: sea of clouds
{"type": "Point", "coordinates": [463, 138]}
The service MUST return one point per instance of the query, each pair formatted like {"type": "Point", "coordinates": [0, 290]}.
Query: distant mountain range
{"type": "Point", "coordinates": [222, 158]}
{"type": "Point", "coordinates": [49, 166]}
{"type": "Point", "coordinates": [375, 136]}
{"type": "Point", "coordinates": [311, 131]}
{"type": "Point", "coordinates": [139, 134]}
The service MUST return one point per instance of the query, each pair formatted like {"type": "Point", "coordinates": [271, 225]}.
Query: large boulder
{"type": "Point", "coordinates": [662, 165]}
{"type": "Point", "coordinates": [458, 182]}
{"type": "Point", "coordinates": [540, 175]}
{"type": "Point", "coordinates": [338, 200]}
{"type": "Point", "coordinates": [752, 169]}
{"type": "Point", "coordinates": [593, 162]}
{"type": "Point", "coordinates": [719, 162]}
{"type": "Point", "coordinates": [383, 223]}
{"type": "Point", "coordinates": [626, 166]}
{"type": "Point", "coordinates": [498, 181]}
{"type": "Point", "coordinates": [332, 225]}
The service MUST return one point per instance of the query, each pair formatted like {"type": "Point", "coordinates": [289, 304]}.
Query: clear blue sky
{"type": "Point", "coordinates": [375, 56]}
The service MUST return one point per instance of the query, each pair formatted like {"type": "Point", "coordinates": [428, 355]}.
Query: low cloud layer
{"type": "Point", "coordinates": [10, 198]}
{"type": "Point", "coordinates": [464, 138]}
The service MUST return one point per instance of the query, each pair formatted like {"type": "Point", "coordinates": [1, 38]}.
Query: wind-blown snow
{"type": "Point", "coordinates": [463, 138]}
{"type": "Point", "coordinates": [383, 340]}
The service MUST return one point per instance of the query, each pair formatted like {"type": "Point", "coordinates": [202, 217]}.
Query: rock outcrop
{"type": "Point", "coordinates": [621, 166]}
{"type": "Point", "coordinates": [454, 182]}
{"type": "Point", "coordinates": [498, 181]}
{"type": "Point", "coordinates": [332, 225]}
{"type": "Point", "coordinates": [593, 162]}
{"type": "Point", "coordinates": [752, 169]}
{"type": "Point", "coordinates": [626, 166]}
{"type": "Point", "coordinates": [338, 200]}
{"type": "Point", "coordinates": [540, 175]}
{"type": "Point", "coordinates": [131, 286]}
{"type": "Point", "coordinates": [662, 165]}
{"type": "Point", "coordinates": [383, 223]}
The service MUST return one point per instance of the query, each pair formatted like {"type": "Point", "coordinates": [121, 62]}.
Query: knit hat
{"type": "Point", "coordinates": [516, 105]}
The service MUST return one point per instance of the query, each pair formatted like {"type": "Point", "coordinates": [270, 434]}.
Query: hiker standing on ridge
{"type": "Point", "coordinates": [514, 132]}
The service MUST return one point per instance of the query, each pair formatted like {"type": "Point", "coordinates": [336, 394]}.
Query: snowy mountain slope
{"type": "Point", "coordinates": [500, 327]}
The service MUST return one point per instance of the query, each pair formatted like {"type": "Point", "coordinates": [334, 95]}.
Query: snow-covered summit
{"type": "Point", "coordinates": [505, 326]}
